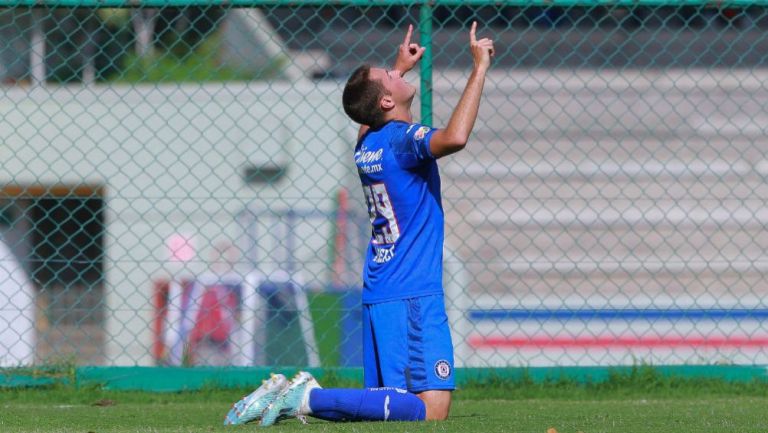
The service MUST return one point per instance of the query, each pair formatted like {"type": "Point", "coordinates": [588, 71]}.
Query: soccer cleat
{"type": "Point", "coordinates": [293, 401]}
{"type": "Point", "coordinates": [250, 407]}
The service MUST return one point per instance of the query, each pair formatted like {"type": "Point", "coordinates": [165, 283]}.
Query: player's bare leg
{"type": "Point", "coordinates": [438, 404]}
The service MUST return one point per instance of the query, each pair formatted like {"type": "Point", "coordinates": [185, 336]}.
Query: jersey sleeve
{"type": "Point", "coordinates": [411, 148]}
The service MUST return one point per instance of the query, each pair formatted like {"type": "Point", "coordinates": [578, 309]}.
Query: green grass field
{"type": "Point", "coordinates": [637, 404]}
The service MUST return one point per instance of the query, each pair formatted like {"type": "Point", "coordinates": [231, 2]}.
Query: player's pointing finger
{"type": "Point", "coordinates": [407, 40]}
{"type": "Point", "coordinates": [472, 38]}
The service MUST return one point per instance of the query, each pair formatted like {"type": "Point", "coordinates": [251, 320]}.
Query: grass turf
{"type": "Point", "coordinates": [638, 402]}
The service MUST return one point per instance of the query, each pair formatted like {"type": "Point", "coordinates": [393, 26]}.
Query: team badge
{"type": "Point", "coordinates": [443, 369]}
{"type": "Point", "coordinates": [421, 132]}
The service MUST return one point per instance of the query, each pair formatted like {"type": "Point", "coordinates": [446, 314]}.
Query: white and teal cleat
{"type": "Point", "coordinates": [251, 407]}
{"type": "Point", "coordinates": [293, 401]}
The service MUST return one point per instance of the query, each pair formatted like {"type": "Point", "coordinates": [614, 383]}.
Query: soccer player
{"type": "Point", "coordinates": [407, 350]}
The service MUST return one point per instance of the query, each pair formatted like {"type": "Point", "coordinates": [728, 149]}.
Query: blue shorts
{"type": "Point", "coordinates": [407, 344]}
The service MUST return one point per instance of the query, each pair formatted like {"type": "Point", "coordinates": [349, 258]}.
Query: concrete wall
{"type": "Point", "coordinates": [172, 160]}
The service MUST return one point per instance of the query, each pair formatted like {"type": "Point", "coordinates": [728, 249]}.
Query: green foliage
{"type": "Point", "coordinates": [200, 65]}
{"type": "Point", "coordinates": [60, 371]}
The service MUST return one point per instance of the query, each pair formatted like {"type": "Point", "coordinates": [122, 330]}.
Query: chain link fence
{"type": "Point", "coordinates": [178, 186]}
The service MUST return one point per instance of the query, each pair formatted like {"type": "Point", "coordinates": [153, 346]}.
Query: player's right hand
{"type": "Point", "coordinates": [408, 53]}
{"type": "Point", "coordinates": [482, 50]}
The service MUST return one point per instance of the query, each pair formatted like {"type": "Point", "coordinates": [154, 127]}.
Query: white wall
{"type": "Point", "coordinates": [17, 312]}
{"type": "Point", "coordinates": [172, 159]}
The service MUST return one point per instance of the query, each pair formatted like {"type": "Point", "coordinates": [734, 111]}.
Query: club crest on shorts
{"type": "Point", "coordinates": [443, 369]}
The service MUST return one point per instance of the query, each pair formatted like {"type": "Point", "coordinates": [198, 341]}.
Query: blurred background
{"type": "Point", "coordinates": [178, 187]}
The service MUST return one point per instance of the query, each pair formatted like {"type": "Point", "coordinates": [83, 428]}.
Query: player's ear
{"type": "Point", "coordinates": [387, 103]}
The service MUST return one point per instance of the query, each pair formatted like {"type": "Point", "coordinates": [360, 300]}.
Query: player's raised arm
{"type": "Point", "coordinates": [454, 136]}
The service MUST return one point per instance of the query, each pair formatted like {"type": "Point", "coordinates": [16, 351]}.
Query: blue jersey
{"type": "Point", "coordinates": [402, 189]}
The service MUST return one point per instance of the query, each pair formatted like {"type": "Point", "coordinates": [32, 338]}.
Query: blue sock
{"type": "Point", "coordinates": [370, 404]}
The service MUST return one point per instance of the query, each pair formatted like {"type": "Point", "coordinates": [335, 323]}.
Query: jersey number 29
{"type": "Point", "coordinates": [379, 205]}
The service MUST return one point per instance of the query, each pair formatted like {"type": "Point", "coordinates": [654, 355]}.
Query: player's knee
{"type": "Point", "coordinates": [437, 404]}
{"type": "Point", "coordinates": [439, 413]}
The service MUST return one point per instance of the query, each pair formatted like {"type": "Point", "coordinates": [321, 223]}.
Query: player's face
{"type": "Point", "coordinates": [402, 91]}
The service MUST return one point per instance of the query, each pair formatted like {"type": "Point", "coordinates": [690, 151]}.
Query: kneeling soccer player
{"type": "Point", "coordinates": [407, 350]}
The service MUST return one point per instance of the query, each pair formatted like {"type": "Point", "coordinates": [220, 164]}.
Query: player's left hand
{"type": "Point", "coordinates": [408, 53]}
